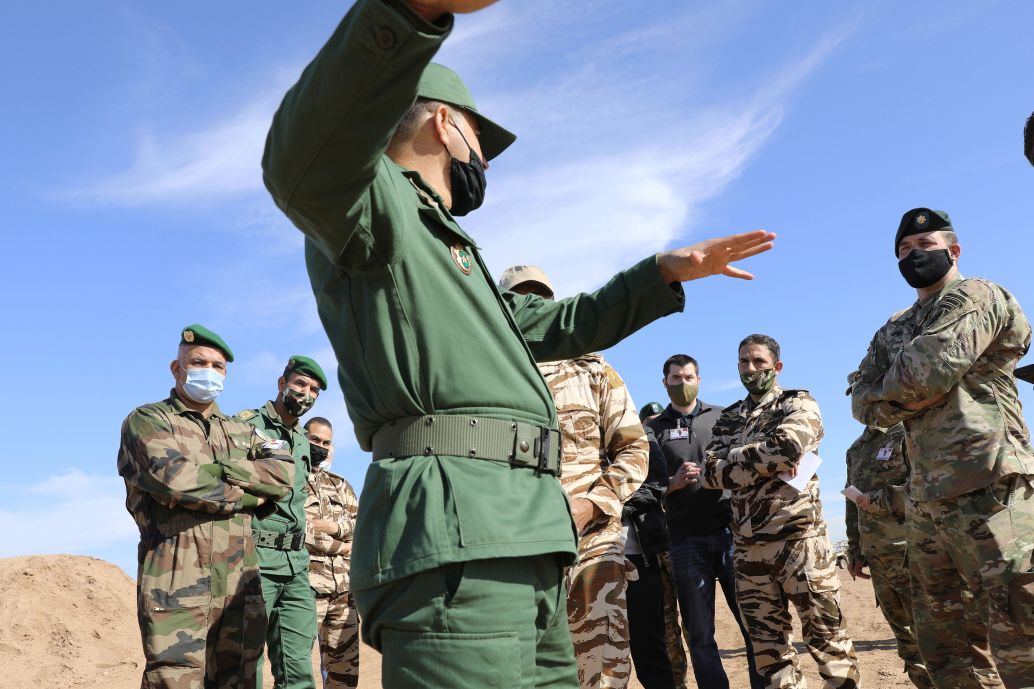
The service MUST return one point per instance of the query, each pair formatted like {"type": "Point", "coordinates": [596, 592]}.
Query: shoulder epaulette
{"type": "Point", "coordinates": [787, 394]}
{"type": "Point", "coordinates": [246, 414]}
{"type": "Point", "coordinates": [732, 407]}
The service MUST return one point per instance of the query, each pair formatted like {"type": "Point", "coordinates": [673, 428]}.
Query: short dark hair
{"type": "Point", "coordinates": [1028, 139]}
{"type": "Point", "coordinates": [317, 419]}
{"type": "Point", "coordinates": [680, 360]}
{"type": "Point", "coordinates": [764, 341]}
{"type": "Point", "coordinates": [407, 127]}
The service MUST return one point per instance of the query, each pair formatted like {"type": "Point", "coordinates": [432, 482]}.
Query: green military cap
{"type": "Point", "coordinates": [200, 335]}
{"type": "Point", "coordinates": [920, 220]}
{"type": "Point", "coordinates": [307, 367]}
{"type": "Point", "coordinates": [650, 409]}
{"type": "Point", "coordinates": [440, 83]}
{"type": "Point", "coordinates": [1026, 373]}
{"type": "Point", "coordinates": [1028, 139]}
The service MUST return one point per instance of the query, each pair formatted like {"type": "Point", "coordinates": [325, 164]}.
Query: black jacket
{"type": "Point", "coordinates": [692, 511]}
{"type": "Point", "coordinates": [644, 510]}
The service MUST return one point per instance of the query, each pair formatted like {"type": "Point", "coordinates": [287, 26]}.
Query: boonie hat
{"type": "Point", "coordinates": [518, 275]}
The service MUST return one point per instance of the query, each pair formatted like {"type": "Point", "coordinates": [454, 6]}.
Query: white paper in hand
{"type": "Point", "coordinates": [806, 468]}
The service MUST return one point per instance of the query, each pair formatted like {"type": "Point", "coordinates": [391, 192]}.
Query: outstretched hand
{"type": "Point", "coordinates": [432, 9]}
{"type": "Point", "coordinates": [713, 257]}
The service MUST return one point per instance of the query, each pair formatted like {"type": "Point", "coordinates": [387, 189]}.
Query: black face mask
{"type": "Point", "coordinates": [924, 268]}
{"type": "Point", "coordinates": [468, 181]}
{"type": "Point", "coordinates": [318, 454]}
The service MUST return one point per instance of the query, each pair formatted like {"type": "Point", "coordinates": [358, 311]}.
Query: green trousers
{"type": "Point", "coordinates": [480, 624]}
{"type": "Point", "coordinates": [291, 609]}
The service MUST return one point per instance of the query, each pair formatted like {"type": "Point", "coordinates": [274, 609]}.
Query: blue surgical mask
{"type": "Point", "coordinates": [203, 384]}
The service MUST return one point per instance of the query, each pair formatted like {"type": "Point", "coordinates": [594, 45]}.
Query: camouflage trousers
{"type": "Point", "coordinates": [338, 636]}
{"type": "Point", "coordinates": [197, 634]}
{"type": "Point", "coordinates": [982, 541]}
{"type": "Point", "coordinates": [771, 576]}
{"type": "Point", "coordinates": [673, 631]}
{"type": "Point", "coordinates": [893, 588]}
{"type": "Point", "coordinates": [597, 614]}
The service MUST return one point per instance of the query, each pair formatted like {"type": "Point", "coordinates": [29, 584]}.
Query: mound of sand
{"type": "Point", "coordinates": [70, 621]}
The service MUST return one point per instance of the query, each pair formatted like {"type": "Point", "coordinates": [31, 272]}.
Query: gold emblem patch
{"type": "Point", "coordinates": [188, 335]}
{"type": "Point", "coordinates": [462, 258]}
{"type": "Point", "coordinates": [920, 219]}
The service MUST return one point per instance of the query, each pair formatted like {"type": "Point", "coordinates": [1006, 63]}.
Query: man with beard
{"type": "Point", "coordinates": [280, 532]}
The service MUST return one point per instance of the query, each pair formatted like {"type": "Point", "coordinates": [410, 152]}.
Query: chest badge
{"type": "Point", "coordinates": [462, 258]}
{"type": "Point", "coordinates": [885, 453]}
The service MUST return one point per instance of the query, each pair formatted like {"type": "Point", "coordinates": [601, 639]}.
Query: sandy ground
{"type": "Point", "coordinates": [70, 621]}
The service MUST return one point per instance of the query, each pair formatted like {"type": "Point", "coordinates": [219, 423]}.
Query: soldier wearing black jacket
{"type": "Point", "coordinates": [698, 522]}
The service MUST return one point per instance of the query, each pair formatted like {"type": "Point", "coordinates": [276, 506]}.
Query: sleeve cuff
{"type": "Point", "coordinates": [440, 27]}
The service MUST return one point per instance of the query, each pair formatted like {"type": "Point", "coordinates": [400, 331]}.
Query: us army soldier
{"type": "Point", "coordinates": [944, 367]}
{"type": "Point", "coordinates": [782, 551]}
{"type": "Point", "coordinates": [604, 461]}
{"type": "Point", "coordinates": [192, 477]}
{"type": "Point", "coordinates": [330, 510]}
{"type": "Point", "coordinates": [280, 531]}
{"type": "Point", "coordinates": [876, 535]}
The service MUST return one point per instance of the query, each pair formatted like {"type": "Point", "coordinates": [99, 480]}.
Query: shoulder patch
{"type": "Point", "coordinates": [898, 314]}
{"type": "Point", "coordinates": [246, 414]}
{"type": "Point", "coordinates": [613, 378]}
{"type": "Point", "coordinates": [787, 394]}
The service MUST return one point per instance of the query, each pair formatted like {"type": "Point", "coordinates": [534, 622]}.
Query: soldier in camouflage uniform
{"type": "Point", "coordinates": [604, 461]}
{"type": "Point", "coordinates": [944, 367]}
{"type": "Point", "coordinates": [782, 551]}
{"type": "Point", "coordinates": [876, 466]}
{"type": "Point", "coordinates": [330, 508]}
{"type": "Point", "coordinates": [193, 476]}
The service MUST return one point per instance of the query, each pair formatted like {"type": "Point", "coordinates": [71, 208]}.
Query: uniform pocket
{"type": "Point", "coordinates": [430, 660]}
{"type": "Point", "coordinates": [1021, 602]}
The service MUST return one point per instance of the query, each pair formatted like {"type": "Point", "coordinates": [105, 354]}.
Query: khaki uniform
{"type": "Point", "coordinates": [191, 483]}
{"type": "Point", "coordinates": [330, 497]}
{"type": "Point", "coordinates": [782, 554]}
{"type": "Point", "coordinates": [605, 459]}
{"type": "Point", "coordinates": [971, 523]}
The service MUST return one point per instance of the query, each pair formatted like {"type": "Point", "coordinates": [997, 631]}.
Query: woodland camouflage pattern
{"type": "Point", "coordinates": [877, 466]}
{"type": "Point", "coordinates": [782, 553]}
{"type": "Point", "coordinates": [190, 485]}
{"type": "Point", "coordinates": [972, 517]}
{"type": "Point", "coordinates": [605, 457]}
{"type": "Point", "coordinates": [332, 498]}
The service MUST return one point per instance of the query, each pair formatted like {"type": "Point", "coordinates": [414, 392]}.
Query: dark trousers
{"type": "Point", "coordinates": [698, 561]}
{"type": "Point", "coordinates": [647, 638]}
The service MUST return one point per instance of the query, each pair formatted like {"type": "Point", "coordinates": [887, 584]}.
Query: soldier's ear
{"type": "Point", "coordinates": [174, 368]}
{"type": "Point", "coordinates": [955, 250]}
{"type": "Point", "coordinates": [778, 366]}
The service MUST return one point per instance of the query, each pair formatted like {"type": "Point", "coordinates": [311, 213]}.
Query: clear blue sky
{"type": "Point", "coordinates": [133, 203]}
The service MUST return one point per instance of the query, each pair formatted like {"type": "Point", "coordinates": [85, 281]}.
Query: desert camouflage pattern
{"type": "Point", "coordinates": [964, 344]}
{"type": "Point", "coordinates": [876, 465]}
{"type": "Point", "coordinates": [801, 571]}
{"type": "Point", "coordinates": [598, 617]}
{"type": "Point", "coordinates": [190, 485]}
{"type": "Point", "coordinates": [750, 445]}
{"type": "Point", "coordinates": [673, 631]}
{"type": "Point", "coordinates": [980, 542]}
{"type": "Point", "coordinates": [338, 637]}
{"type": "Point", "coordinates": [332, 498]}
{"type": "Point", "coordinates": [604, 459]}
{"type": "Point", "coordinates": [782, 554]}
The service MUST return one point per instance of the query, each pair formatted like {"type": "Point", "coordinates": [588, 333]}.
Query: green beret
{"type": "Point", "coordinates": [307, 367]}
{"type": "Point", "coordinates": [920, 220]}
{"type": "Point", "coordinates": [440, 83]}
{"type": "Point", "coordinates": [200, 335]}
{"type": "Point", "coordinates": [1025, 373]}
{"type": "Point", "coordinates": [650, 409]}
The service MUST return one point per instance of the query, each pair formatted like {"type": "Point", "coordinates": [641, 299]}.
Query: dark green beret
{"type": "Point", "coordinates": [440, 83]}
{"type": "Point", "coordinates": [307, 367]}
{"type": "Point", "coordinates": [650, 409]}
{"type": "Point", "coordinates": [920, 220]}
{"type": "Point", "coordinates": [200, 335]}
{"type": "Point", "coordinates": [1026, 373]}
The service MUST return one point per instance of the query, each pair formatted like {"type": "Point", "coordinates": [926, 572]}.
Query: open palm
{"type": "Point", "coordinates": [714, 257]}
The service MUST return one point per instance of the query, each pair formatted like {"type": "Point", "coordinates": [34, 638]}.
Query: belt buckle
{"type": "Point", "coordinates": [296, 542]}
{"type": "Point", "coordinates": [544, 445]}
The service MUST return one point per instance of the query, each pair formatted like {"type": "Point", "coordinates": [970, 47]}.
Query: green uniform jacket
{"type": "Point", "coordinates": [416, 321]}
{"type": "Point", "coordinates": [876, 464]}
{"type": "Point", "coordinates": [289, 515]}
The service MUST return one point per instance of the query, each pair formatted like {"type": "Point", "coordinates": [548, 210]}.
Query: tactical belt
{"type": "Point", "coordinates": [278, 539]}
{"type": "Point", "coordinates": [453, 435]}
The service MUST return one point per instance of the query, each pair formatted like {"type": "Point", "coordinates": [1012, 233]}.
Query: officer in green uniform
{"type": "Point", "coordinates": [464, 529]}
{"type": "Point", "coordinates": [279, 531]}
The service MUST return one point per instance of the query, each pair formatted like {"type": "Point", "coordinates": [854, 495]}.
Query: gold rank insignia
{"type": "Point", "coordinates": [188, 335]}
{"type": "Point", "coordinates": [920, 219]}
{"type": "Point", "coordinates": [462, 258]}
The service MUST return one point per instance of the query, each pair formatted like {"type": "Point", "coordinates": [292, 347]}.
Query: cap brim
{"type": "Point", "coordinates": [494, 139]}
{"type": "Point", "coordinates": [1025, 373]}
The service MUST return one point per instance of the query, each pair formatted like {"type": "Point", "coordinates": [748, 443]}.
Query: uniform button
{"type": "Point", "coordinates": [524, 446]}
{"type": "Point", "coordinates": [384, 38]}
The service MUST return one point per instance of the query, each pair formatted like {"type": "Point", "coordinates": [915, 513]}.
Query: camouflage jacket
{"type": "Point", "coordinates": [182, 470]}
{"type": "Point", "coordinates": [876, 465]}
{"type": "Point", "coordinates": [962, 343]}
{"type": "Point", "coordinates": [605, 451]}
{"type": "Point", "coordinates": [329, 497]}
{"type": "Point", "coordinates": [750, 445]}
